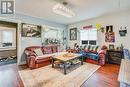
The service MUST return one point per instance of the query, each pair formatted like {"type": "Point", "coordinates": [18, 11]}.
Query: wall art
{"type": "Point", "coordinates": [73, 34]}
{"type": "Point", "coordinates": [30, 30]}
{"type": "Point", "coordinates": [109, 29]}
{"type": "Point", "coordinates": [110, 37]}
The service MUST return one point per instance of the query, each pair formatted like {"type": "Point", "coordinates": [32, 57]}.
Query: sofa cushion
{"type": "Point", "coordinates": [93, 56]}
{"type": "Point", "coordinates": [44, 56]}
{"type": "Point", "coordinates": [38, 52]}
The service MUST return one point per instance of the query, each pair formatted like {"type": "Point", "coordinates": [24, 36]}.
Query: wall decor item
{"type": "Point", "coordinates": [88, 27]}
{"type": "Point", "coordinates": [102, 29]}
{"type": "Point", "coordinates": [30, 30]}
{"type": "Point", "coordinates": [73, 34]}
{"type": "Point", "coordinates": [109, 28]}
{"type": "Point", "coordinates": [111, 47]}
{"type": "Point", "coordinates": [123, 32]}
{"type": "Point", "coordinates": [110, 37]}
{"type": "Point", "coordinates": [98, 26]}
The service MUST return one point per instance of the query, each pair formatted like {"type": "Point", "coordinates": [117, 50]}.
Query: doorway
{"type": "Point", "coordinates": [8, 43]}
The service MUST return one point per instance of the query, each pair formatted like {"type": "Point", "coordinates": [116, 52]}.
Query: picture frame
{"type": "Point", "coordinates": [122, 33]}
{"type": "Point", "coordinates": [111, 47]}
{"type": "Point", "coordinates": [73, 34]}
{"type": "Point", "coordinates": [109, 29]}
{"type": "Point", "coordinates": [30, 30]}
{"type": "Point", "coordinates": [110, 37]}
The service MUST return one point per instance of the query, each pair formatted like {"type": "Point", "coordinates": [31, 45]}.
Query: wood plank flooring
{"type": "Point", "coordinates": [105, 76]}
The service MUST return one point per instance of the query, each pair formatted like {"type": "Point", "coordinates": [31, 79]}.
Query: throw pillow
{"type": "Point", "coordinates": [47, 50]}
{"type": "Point", "coordinates": [54, 49]}
{"type": "Point", "coordinates": [96, 48]}
{"type": "Point", "coordinates": [89, 47]}
{"type": "Point", "coordinates": [38, 52]}
{"type": "Point", "coordinates": [92, 48]}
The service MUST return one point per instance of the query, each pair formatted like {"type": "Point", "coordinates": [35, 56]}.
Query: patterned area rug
{"type": "Point", "coordinates": [9, 61]}
{"type": "Point", "coordinates": [51, 77]}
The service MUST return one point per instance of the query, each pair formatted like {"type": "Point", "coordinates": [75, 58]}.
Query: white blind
{"type": "Point", "coordinates": [90, 34]}
{"type": "Point", "coordinates": [7, 37]}
{"type": "Point", "coordinates": [84, 35]}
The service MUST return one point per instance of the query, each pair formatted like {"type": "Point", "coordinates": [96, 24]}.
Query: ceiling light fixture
{"type": "Point", "coordinates": [61, 9]}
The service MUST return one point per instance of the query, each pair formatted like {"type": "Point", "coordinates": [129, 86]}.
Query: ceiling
{"type": "Point", "coordinates": [84, 9]}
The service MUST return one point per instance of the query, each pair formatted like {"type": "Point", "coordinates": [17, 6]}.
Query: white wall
{"type": "Point", "coordinates": [24, 42]}
{"type": "Point", "coordinates": [116, 19]}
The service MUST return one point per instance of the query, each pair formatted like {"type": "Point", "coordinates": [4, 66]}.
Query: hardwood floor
{"type": "Point", "coordinates": [105, 76]}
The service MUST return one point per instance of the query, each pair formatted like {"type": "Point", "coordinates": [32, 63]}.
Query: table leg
{"type": "Point", "coordinates": [65, 69]}
{"type": "Point", "coordinates": [82, 60]}
{"type": "Point", "coordinates": [52, 63]}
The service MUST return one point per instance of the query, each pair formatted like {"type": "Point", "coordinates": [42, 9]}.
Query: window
{"type": "Point", "coordinates": [7, 37]}
{"type": "Point", "coordinates": [88, 36]}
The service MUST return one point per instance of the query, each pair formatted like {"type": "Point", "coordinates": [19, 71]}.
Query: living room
{"type": "Point", "coordinates": [84, 43]}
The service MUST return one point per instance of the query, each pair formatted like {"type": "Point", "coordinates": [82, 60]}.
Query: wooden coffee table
{"type": "Point", "coordinates": [64, 58]}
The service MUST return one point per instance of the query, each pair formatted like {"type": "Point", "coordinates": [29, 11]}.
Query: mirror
{"type": "Point", "coordinates": [52, 36]}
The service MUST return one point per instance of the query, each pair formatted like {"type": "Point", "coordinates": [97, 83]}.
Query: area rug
{"type": "Point", "coordinates": [51, 77]}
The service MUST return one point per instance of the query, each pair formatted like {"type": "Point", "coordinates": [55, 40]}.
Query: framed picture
{"type": "Point", "coordinates": [111, 47]}
{"type": "Point", "coordinates": [73, 34]}
{"type": "Point", "coordinates": [30, 30]}
{"type": "Point", "coordinates": [122, 32]}
{"type": "Point", "coordinates": [109, 29]}
{"type": "Point", "coordinates": [110, 37]}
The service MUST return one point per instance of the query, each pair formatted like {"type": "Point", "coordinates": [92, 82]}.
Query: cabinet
{"type": "Point", "coordinates": [115, 56]}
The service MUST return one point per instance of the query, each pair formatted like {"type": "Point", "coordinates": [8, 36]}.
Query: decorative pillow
{"type": "Point", "coordinates": [95, 48]}
{"type": "Point", "coordinates": [47, 50]}
{"type": "Point", "coordinates": [54, 49]}
{"type": "Point", "coordinates": [92, 48]}
{"type": "Point", "coordinates": [38, 52]}
{"type": "Point", "coordinates": [89, 47]}
{"type": "Point", "coordinates": [84, 47]}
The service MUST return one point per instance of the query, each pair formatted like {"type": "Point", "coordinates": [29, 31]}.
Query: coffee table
{"type": "Point", "coordinates": [64, 58]}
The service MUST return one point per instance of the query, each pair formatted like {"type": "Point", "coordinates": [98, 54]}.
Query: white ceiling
{"type": "Point", "coordinates": [84, 9]}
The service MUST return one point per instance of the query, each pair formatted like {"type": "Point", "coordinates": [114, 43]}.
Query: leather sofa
{"type": "Point", "coordinates": [34, 61]}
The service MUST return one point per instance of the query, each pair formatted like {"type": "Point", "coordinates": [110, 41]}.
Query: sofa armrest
{"type": "Point", "coordinates": [30, 53]}
{"type": "Point", "coordinates": [102, 58]}
{"type": "Point", "coordinates": [31, 61]}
